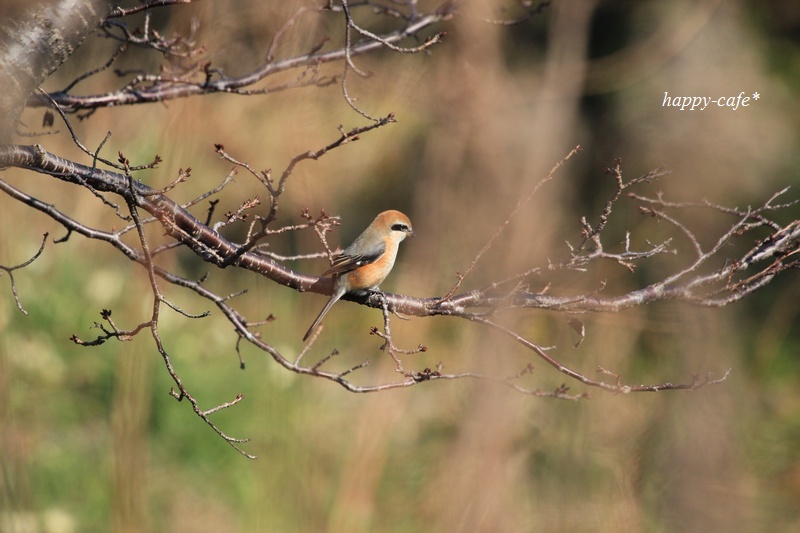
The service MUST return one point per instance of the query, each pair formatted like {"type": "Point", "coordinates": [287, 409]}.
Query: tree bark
{"type": "Point", "coordinates": [36, 42]}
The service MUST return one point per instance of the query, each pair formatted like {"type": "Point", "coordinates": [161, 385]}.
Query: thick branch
{"type": "Point", "coordinates": [33, 48]}
{"type": "Point", "coordinates": [688, 286]}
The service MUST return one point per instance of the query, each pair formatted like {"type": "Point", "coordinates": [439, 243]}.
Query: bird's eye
{"type": "Point", "coordinates": [399, 227]}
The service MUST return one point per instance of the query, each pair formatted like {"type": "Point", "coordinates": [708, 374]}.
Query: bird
{"type": "Point", "coordinates": [365, 264]}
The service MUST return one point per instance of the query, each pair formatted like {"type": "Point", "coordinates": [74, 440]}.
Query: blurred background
{"type": "Point", "coordinates": [91, 441]}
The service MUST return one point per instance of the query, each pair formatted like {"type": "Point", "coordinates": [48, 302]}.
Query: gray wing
{"type": "Point", "coordinates": [348, 261]}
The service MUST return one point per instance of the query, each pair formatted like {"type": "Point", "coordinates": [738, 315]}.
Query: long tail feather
{"type": "Point", "coordinates": [334, 298]}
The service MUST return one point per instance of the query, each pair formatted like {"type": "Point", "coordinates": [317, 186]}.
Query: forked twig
{"type": "Point", "coordinates": [461, 277]}
{"type": "Point", "coordinates": [10, 271]}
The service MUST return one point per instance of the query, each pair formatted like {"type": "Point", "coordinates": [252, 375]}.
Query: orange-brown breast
{"type": "Point", "coordinates": [371, 275]}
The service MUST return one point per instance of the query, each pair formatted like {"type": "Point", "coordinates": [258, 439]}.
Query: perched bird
{"type": "Point", "coordinates": [365, 264]}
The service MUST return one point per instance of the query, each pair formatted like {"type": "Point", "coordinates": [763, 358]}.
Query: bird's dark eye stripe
{"type": "Point", "coordinates": [399, 227]}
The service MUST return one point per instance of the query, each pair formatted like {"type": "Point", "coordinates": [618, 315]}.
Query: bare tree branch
{"type": "Point", "coordinates": [721, 286]}
{"type": "Point", "coordinates": [10, 272]}
{"type": "Point", "coordinates": [200, 78]}
{"type": "Point", "coordinates": [756, 245]}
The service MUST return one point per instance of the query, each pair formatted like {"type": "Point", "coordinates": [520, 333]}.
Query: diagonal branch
{"type": "Point", "coordinates": [158, 88]}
